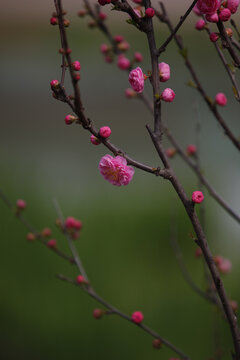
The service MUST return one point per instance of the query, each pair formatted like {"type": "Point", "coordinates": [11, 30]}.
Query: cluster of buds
{"type": "Point", "coordinates": [73, 227]}
{"type": "Point", "coordinates": [216, 10]}
{"type": "Point", "coordinates": [54, 19]}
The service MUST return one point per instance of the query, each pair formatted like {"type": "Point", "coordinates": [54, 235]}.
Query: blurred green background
{"type": "Point", "coordinates": [125, 241]}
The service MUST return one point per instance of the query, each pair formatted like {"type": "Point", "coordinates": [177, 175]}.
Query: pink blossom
{"type": "Point", "coordinates": [118, 38]}
{"type": "Point", "coordinates": [225, 14]}
{"type": "Point", "coordinates": [212, 17]}
{"type": "Point", "coordinates": [115, 170]}
{"type": "Point", "coordinates": [232, 5]}
{"type": "Point", "coordinates": [78, 225]}
{"type": "Point", "coordinates": [137, 317]}
{"type": "Point", "coordinates": [104, 48]}
{"type": "Point", "coordinates": [137, 1]}
{"type": "Point", "coordinates": [164, 71]}
{"type": "Point", "coordinates": [21, 204]}
{"type": "Point", "coordinates": [105, 132]}
{"type": "Point", "coordinates": [168, 95]}
{"type": "Point", "coordinates": [225, 266]}
{"type": "Point", "coordinates": [52, 244]}
{"type": "Point", "coordinates": [80, 279]}
{"type": "Point", "coordinates": [191, 149]}
{"type": "Point", "coordinates": [200, 24]}
{"type": "Point", "coordinates": [208, 6]}
{"type": "Point", "coordinates": [53, 20]}
{"type": "Point", "coordinates": [138, 57]}
{"type": "Point", "coordinates": [123, 62]}
{"type": "Point", "coordinates": [104, 2]}
{"type": "Point", "coordinates": [98, 313]}
{"type": "Point", "coordinates": [46, 232]}
{"type": "Point", "coordinates": [149, 12]}
{"type": "Point", "coordinates": [213, 37]}
{"type": "Point", "coordinates": [136, 79]}
{"type": "Point", "coordinates": [70, 222]}
{"type": "Point", "coordinates": [76, 65]}
{"type": "Point", "coordinates": [69, 119]}
{"type": "Point", "coordinates": [54, 83]}
{"type": "Point", "coordinates": [30, 237]}
{"type": "Point", "coordinates": [197, 197]}
{"type": "Point", "coordinates": [221, 99]}
{"type": "Point", "coordinates": [102, 16]}
{"type": "Point", "coordinates": [94, 140]}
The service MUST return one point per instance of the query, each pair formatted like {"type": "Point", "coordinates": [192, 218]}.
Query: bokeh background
{"type": "Point", "coordinates": [125, 241]}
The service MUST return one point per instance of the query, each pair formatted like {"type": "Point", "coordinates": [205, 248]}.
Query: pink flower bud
{"type": "Point", "coordinates": [52, 244]}
{"type": "Point", "coordinates": [170, 152]}
{"type": "Point", "coordinates": [54, 83]}
{"type": "Point", "coordinates": [68, 51]}
{"type": "Point", "coordinates": [30, 237]}
{"type": "Point", "coordinates": [66, 22]}
{"type": "Point", "coordinates": [104, 48]}
{"type": "Point", "coordinates": [198, 252]}
{"type": "Point", "coordinates": [168, 95]}
{"type": "Point", "coordinates": [104, 2]}
{"type": "Point", "coordinates": [191, 150]}
{"type": "Point", "coordinates": [123, 62]}
{"type": "Point", "coordinates": [69, 119]}
{"type": "Point", "coordinates": [157, 343]}
{"type": "Point", "coordinates": [137, 2]}
{"type": "Point", "coordinates": [229, 32]}
{"type": "Point", "coordinates": [197, 197]}
{"type": "Point", "coordinates": [80, 279]}
{"type": "Point", "coordinates": [221, 99]}
{"type": "Point", "coordinates": [21, 204]}
{"type": "Point", "coordinates": [136, 80]}
{"type": "Point", "coordinates": [138, 57]}
{"type": "Point", "coordinates": [98, 313]}
{"type": "Point", "coordinates": [212, 17]}
{"type": "Point", "coordinates": [149, 12]}
{"type": "Point", "coordinates": [164, 71]}
{"type": "Point", "coordinates": [129, 93]}
{"type": "Point", "coordinates": [77, 77]}
{"type": "Point", "coordinates": [53, 21]}
{"type": "Point", "coordinates": [76, 65]}
{"type": "Point", "coordinates": [46, 232]}
{"type": "Point", "coordinates": [137, 317]}
{"type": "Point", "coordinates": [123, 46]}
{"type": "Point", "coordinates": [200, 24]}
{"type": "Point", "coordinates": [105, 132]}
{"type": "Point", "coordinates": [224, 266]}
{"type": "Point", "coordinates": [70, 222]}
{"type": "Point", "coordinates": [232, 5]}
{"type": "Point", "coordinates": [102, 16]}
{"type": "Point", "coordinates": [94, 140]}
{"type": "Point", "coordinates": [118, 38]}
{"type": "Point", "coordinates": [208, 6]}
{"type": "Point", "coordinates": [213, 37]}
{"type": "Point", "coordinates": [78, 224]}
{"type": "Point", "coordinates": [225, 14]}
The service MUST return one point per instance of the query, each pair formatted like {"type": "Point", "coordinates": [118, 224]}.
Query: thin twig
{"type": "Point", "coordinates": [174, 32]}
{"type": "Point", "coordinates": [228, 44]}
{"type": "Point", "coordinates": [115, 311]}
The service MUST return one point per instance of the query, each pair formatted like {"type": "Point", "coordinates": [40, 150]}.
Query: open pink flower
{"type": "Point", "coordinates": [208, 6]}
{"type": "Point", "coordinates": [136, 79]}
{"type": "Point", "coordinates": [115, 170]}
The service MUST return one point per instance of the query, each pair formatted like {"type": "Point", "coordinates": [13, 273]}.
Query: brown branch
{"type": "Point", "coordinates": [115, 311]}
{"type": "Point", "coordinates": [164, 18]}
{"type": "Point", "coordinates": [174, 32]}
{"type": "Point", "coordinates": [227, 68]}
{"type": "Point", "coordinates": [228, 45]}
{"type": "Point", "coordinates": [31, 228]}
{"type": "Point", "coordinates": [235, 27]}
